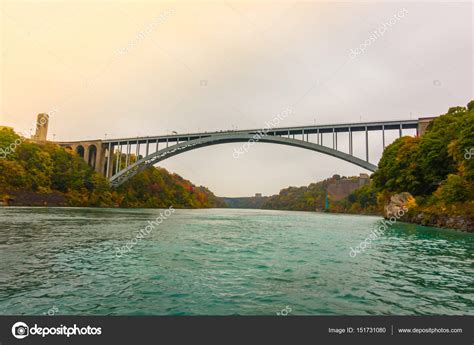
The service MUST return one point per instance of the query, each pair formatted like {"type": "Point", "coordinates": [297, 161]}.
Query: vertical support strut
{"type": "Point", "coordinates": [107, 173]}
{"type": "Point", "coordinates": [166, 142]}
{"type": "Point", "coordinates": [147, 147]}
{"type": "Point", "coordinates": [333, 141]}
{"type": "Point", "coordinates": [383, 136]}
{"type": "Point", "coordinates": [400, 131]}
{"type": "Point", "coordinates": [317, 136]}
{"type": "Point", "coordinates": [366, 145]}
{"type": "Point", "coordinates": [157, 144]}
{"type": "Point", "coordinates": [138, 150]}
{"type": "Point", "coordinates": [129, 148]}
{"type": "Point", "coordinates": [119, 157]}
{"type": "Point", "coordinates": [336, 139]}
{"type": "Point", "coordinates": [350, 141]}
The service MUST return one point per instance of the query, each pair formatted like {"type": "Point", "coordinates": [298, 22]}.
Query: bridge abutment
{"type": "Point", "coordinates": [423, 123]}
{"type": "Point", "coordinates": [93, 152]}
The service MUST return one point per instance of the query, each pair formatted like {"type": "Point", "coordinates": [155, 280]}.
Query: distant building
{"type": "Point", "coordinates": [42, 122]}
{"type": "Point", "coordinates": [258, 195]}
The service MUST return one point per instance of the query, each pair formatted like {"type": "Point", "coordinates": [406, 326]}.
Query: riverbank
{"type": "Point", "coordinates": [25, 198]}
{"type": "Point", "coordinates": [437, 220]}
{"type": "Point", "coordinates": [57, 199]}
{"type": "Point", "coordinates": [45, 174]}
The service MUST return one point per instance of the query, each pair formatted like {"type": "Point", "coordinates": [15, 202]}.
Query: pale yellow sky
{"type": "Point", "coordinates": [147, 68]}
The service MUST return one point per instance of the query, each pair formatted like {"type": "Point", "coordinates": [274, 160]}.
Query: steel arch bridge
{"type": "Point", "coordinates": [108, 157]}
{"type": "Point", "coordinates": [171, 151]}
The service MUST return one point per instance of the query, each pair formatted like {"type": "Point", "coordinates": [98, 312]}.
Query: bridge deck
{"type": "Point", "coordinates": [313, 129]}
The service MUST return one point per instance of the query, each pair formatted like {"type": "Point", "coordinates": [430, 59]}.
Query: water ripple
{"type": "Point", "coordinates": [228, 262]}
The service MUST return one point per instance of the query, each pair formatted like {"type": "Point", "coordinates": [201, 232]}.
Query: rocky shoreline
{"type": "Point", "coordinates": [443, 221]}
{"type": "Point", "coordinates": [416, 216]}
{"type": "Point", "coordinates": [25, 198]}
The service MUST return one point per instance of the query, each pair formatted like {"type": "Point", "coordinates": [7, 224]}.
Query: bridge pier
{"type": "Point", "coordinates": [92, 152]}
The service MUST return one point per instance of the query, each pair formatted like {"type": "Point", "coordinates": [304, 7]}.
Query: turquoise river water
{"type": "Point", "coordinates": [225, 262]}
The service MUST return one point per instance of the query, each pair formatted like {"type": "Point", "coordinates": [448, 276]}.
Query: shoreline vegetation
{"type": "Point", "coordinates": [432, 176]}
{"type": "Point", "coordinates": [49, 175]}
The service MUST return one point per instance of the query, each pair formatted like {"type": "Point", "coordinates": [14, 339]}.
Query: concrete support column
{"type": "Point", "coordinates": [127, 159]}
{"type": "Point", "coordinates": [109, 161]}
{"type": "Point", "coordinates": [86, 154]}
{"type": "Point", "coordinates": [119, 157]}
{"type": "Point", "coordinates": [100, 159]}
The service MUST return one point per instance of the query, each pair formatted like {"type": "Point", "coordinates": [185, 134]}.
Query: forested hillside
{"type": "Point", "coordinates": [50, 175]}
{"type": "Point", "coordinates": [305, 198]}
{"type": "Point", "coordinates": [436, 168]}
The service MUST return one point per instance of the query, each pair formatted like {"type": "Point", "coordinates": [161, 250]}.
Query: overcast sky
{"type": "Point", "coordinates": [148, 68]}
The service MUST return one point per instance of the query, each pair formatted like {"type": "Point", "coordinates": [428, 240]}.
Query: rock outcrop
{"type": "Point", "coordinates": [399, 205]}
{"type": "Point", "coordinates": [403, 206]}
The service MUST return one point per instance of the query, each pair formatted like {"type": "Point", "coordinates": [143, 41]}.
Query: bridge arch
{"type": "Point", "coordinates": [80, 151]}
{"type": "Point", "coordinates": [168, 152]}
{"type": "Point", "coordinates": [92, 155]}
